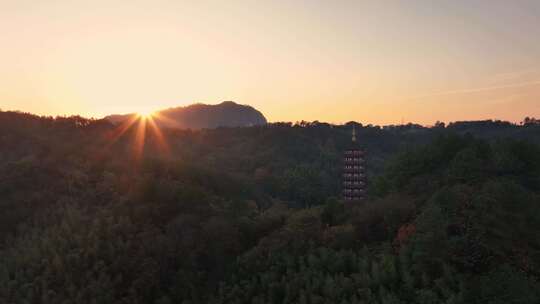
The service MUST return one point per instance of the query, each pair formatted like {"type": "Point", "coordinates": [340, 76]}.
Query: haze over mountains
{"type": "Point", "coordinates": [200, 116]}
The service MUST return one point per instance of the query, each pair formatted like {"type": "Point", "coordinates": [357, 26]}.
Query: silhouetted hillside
{"type": "Point", "coordinates": [201, 116]}
{"type": "Point", "coordinates": [93, 212]}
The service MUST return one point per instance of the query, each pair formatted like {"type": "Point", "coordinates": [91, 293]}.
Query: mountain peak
{"type": "Point", "coordinates": [201, 116]}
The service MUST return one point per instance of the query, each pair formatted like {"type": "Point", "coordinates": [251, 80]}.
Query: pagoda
{"type": "Point", "coordinates": [354, 176]}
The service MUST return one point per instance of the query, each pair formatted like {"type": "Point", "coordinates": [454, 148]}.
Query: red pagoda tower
{"type": "Point", "coordinates": [354, 176]}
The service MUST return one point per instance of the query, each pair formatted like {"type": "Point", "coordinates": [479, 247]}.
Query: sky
{"type": "Point", "coordinates": [380, 62]}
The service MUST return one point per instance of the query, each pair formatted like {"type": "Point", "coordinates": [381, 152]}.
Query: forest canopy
{"type": "Point", "coordinates": [93, 212]}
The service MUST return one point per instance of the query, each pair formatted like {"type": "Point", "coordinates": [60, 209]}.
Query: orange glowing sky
{"type": "Point", "coordinates": [372, 61]}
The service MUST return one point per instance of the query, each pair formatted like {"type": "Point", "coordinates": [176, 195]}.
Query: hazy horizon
{"type": "Point", "coordinates": [379, 62]}
{"type": "Point", "coordinates": [402, 122]}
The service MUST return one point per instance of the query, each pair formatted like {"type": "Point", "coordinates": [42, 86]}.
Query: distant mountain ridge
{"type": "Point", "coordinates": [201, 116]}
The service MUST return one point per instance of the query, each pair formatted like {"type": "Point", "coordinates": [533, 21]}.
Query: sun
{"type": "Point", "coordinates": [145, 114]}
{"type": "Point", "coordinates": [146, 131]}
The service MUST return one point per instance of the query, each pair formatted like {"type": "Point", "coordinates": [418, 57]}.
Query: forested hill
{"type": "Point", "coordinates": [93, 212]}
